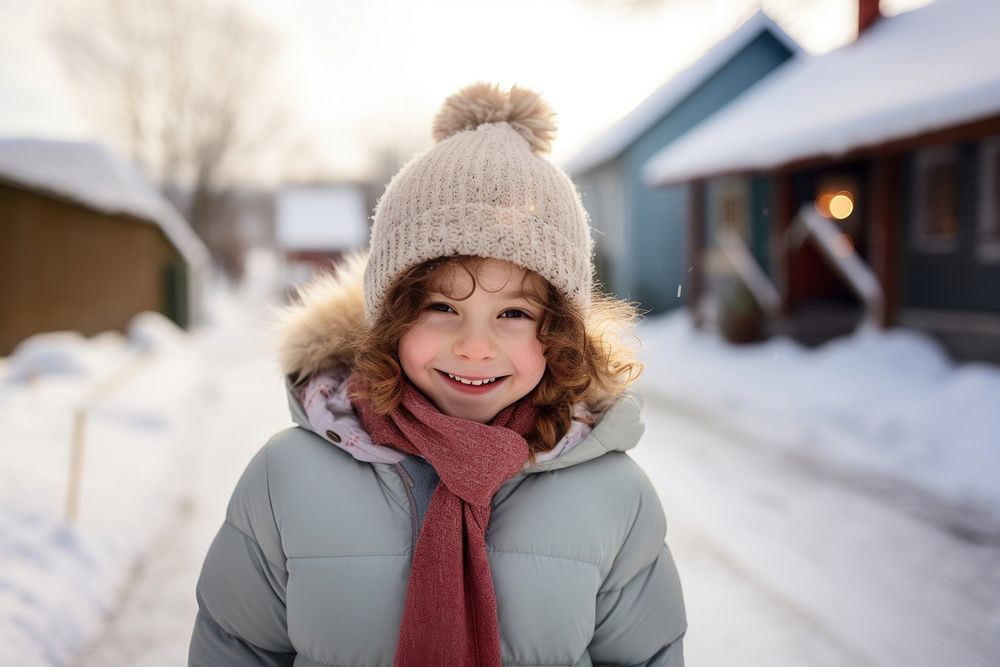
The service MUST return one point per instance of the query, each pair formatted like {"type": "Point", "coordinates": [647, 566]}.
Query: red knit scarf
{"type": "Point", "coordinates": [450, 615]}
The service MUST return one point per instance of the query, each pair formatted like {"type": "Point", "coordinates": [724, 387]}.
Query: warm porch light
{"type": "Point", "coordinates": [841, 205]}
{"type": "Point", "coordinates": [838, 205]}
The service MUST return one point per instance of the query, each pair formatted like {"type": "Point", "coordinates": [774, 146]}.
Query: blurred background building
{"type": "Point", "coordinates": [641, 242]}
{"type": "Point", "coordinates": [316, 225]}
{"type": "Point", "coordinates": [773, 191]}
{"type": "Point", "coordinates": [86, 243]}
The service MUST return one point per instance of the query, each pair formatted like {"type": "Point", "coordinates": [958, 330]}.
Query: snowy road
{"type": "Point", "coordinates": [782, 565]}
{"type": "Point", "coordinates": [785, 565]}
{"type": "Point", "coordinates": [152, 624]}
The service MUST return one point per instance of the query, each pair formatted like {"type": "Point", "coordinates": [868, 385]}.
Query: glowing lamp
{"type": "Point", "coordinates": [841, 205]}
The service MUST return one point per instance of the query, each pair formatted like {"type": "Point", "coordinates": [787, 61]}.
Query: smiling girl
{"type": "Point", "coordinates": [456, 491]}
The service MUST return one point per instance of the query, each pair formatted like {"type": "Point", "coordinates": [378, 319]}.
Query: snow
{"type": "Point", "coordinates": [152, 332]}
{"type": "Point", "coordinates": [61, 353]}
{"type": "Point", "coordinates": [58, 579]}
{"type": "Point", "coordinates": [916, 72]}
{"type": "Point", "coordinates": [321, 218]}
{"type": "Point", "coordinates": [785, 563]}
{"type": "Point", "coordinates": [885, 403]}
{"type": "Point", "coordinates": [88, 174]}
{"type": "Point", "coordinates": [618, 137]}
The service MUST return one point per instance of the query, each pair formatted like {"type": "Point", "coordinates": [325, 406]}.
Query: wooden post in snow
{"type": "Point", "coordinates": [100, 393]}
{"type": "Point", "coordinates": [75, 464]}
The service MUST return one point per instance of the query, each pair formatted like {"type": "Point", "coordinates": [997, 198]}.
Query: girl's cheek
{"type": "Point", "coordinates": [435, 322]}
{"type": "Point", "coordinates": [536, 356]}
{"type": "Point", "coordinates": [519, 327]}
{"type": "Point", "coordinates": [418, 340]}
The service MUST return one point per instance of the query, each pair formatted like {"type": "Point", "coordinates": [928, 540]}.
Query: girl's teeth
{"type": "Point", "coordinates": [472, 382]}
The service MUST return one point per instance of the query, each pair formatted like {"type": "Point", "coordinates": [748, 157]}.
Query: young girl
{"type": "Point", "coordinates": [456, 491]}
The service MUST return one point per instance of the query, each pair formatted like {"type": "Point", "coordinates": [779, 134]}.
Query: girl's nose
{"type": "Point", "coordinates": [475, 344]}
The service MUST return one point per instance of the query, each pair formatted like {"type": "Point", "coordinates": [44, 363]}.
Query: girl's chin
{"type": "Point", "coordinates": [471, 415]}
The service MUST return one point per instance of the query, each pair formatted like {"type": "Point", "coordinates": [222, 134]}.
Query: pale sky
{"type": "Point", "coordinates": [360, 74]}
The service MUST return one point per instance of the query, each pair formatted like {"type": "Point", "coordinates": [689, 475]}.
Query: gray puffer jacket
{"type": "Point", "coordinates": [310, 566]}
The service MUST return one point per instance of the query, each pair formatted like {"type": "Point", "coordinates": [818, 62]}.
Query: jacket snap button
{"type": "Point", "coordinates": [333, 436]}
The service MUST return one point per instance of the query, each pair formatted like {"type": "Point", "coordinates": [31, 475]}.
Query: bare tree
{"type": "Point", "coordinates": [185, 87]}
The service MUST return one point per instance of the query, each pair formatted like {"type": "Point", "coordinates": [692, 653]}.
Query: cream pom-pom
{"type": "Point", "coordinates": [480, 103]}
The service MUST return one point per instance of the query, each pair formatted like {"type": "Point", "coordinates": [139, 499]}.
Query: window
{"type": "Point", "coordinates": [935, 199]}
{"type": "Point", "coordinates": [727, 211]}
{"type": "Point", "coordinates": [730, 208]}
{"type": "Point", "coordinates": [988, 241]}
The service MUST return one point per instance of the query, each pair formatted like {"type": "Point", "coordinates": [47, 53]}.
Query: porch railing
{"type": "Point", "coordinates": [750, 272]}
{"type": "Point", "coordinates": [838, 251]}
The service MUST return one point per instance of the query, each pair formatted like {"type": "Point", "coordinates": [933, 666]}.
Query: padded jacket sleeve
{"type": "Point", "coordinates": [640, 608]}
{"type": "Point", "coordinates": [241, 590]}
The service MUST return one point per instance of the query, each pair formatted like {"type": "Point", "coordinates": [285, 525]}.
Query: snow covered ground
{"type": "Point", "coordinates": [57, 579]}
{"type": "Point", "coordinates": [176, 405]}
{"type": "Point", "coordinates": [784, 564]}
{"type": "Point", "coordinates": [155, 611]}
{"type": "Point", "coordinates": [879, 405]}
{"type": "Point", "coordinates": [826, 507]}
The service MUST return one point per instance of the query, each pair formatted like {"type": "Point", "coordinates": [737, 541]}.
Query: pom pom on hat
{"type": "Point", "coordinates": [480, 103]}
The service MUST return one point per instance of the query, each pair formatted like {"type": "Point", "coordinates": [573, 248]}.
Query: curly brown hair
{"type": "Point", "coordinates": [588, 358]}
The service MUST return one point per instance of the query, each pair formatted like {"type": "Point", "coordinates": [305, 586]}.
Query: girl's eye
{"type": "Point", "coordinates": [440, 307]}
{"type": "Point", "coordinates": [514, 313]}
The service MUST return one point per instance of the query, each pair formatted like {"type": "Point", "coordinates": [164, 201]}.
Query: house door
{"type": "Point", "coordinates": [174, 288]}
{"type": "Point", "coordinates": [839, 196]}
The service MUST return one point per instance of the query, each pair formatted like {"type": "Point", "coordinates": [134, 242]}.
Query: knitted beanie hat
{"type": "Point", "coordinates": [484, 189]}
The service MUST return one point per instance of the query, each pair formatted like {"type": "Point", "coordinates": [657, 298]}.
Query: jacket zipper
{"type": "Point", "coordinates": [408, 485]}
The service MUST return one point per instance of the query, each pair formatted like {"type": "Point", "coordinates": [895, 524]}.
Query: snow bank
{"type": "Point", "coordinates": [151, 331]}
{"type": "Point", "coordinates": [64, 353]}
{"type": "Point", "coordinates": [58, 580]}
{"type": "Point", "coordinates": [889, 403]}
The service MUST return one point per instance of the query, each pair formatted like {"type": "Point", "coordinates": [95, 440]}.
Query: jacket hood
{"type": "Point", "coordinates": [319, 338]}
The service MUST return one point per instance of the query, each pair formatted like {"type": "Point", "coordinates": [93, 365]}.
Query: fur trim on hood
{"type": "Point", "coordinates": [324, 328]}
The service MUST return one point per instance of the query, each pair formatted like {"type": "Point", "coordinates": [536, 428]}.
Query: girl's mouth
{"type": "Point", "coordinates": [469, 386]}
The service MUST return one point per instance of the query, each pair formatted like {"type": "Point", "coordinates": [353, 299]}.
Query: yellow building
{"type": "Point", "coordinates": [86, 243]}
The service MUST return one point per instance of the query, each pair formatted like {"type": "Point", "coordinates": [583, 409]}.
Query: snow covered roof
{"type": "Point", "coordinates": [928, 69]}
{"type": "Point", "coordinates": [87, 173]}
{"type": "Point", "coordinates": [620, 136]}
{"type": "Point", "coordinates": [321, 217]}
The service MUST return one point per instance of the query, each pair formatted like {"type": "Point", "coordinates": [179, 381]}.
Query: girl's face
{"type": "Point", "coordinates": [457, 347]}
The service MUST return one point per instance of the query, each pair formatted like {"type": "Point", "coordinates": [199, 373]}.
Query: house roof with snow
{"type": "Point", "coordinates": [616, 139]}
{"type": "Point", "coordinates": [928, 69]}
{"type": "Point", "coordinates": [88, 174]}
{"type": "Point", "coordinates": [321, 217]}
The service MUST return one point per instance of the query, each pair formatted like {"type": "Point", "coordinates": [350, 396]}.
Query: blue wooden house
{"type": "Point", "coordinates": [640, 235]}
{"type": "Point", "coordinates": [870, 181]}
